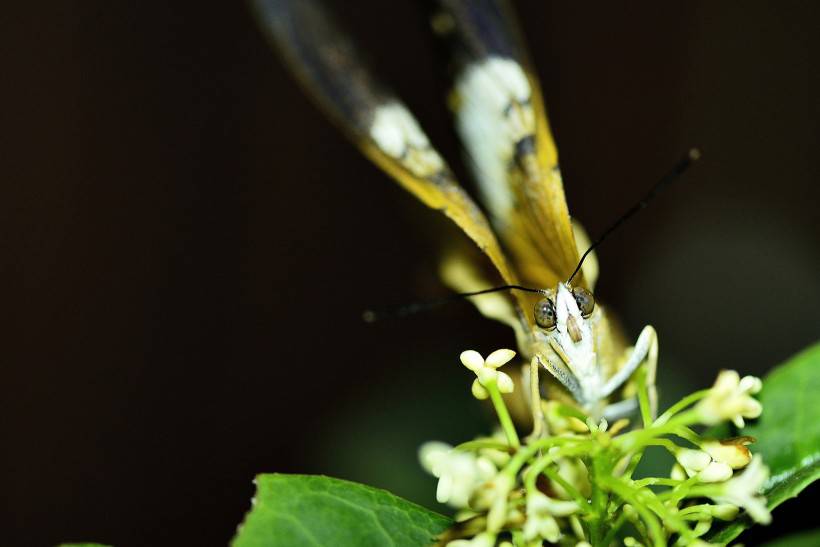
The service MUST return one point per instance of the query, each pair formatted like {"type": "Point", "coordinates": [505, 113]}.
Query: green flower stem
{"type": "Point", "coordinates": [542, 465]}
{"type": "Point", "coordinates": [535, 401]}
{"type": "Point", "coordinates": [695, 511]}
{"type": "Point", "coordinates": [643, 399]}
{"type": "Point", "coordinates": [651, 481]}
{"type": "Point", "coordinates": [680, 405]}
{"type": "Point", "coordinates": [638, 439]}
{"type": "Point", "coordinates": [649, 519]}
{"type": "Point", "coordinates": [566, 411]}
{"type": "Point", "coordinates": [650, 500]}
{"type": "Point", "coordinates": [666, 443]}
{"type": "Point", "coordinates": [689, 435]}
{"type": "Point", "coordinates": [613, 530]}
{"type": "Point", "coordinates": [503, 414]}
{"type": "Point", "coordinates": [523, 456]}
{"type": "Point", "coordinates": [599, 499]}
{"type": "Point", "coordinates": [478, 444]}
{"type": "Point", "coordinates": [582, 502]}
{"type": "Point", "coordinates": [633, 464]}
{"type": "Point", "coordinates": [705, 490]}
{"type": "Point", "coordinates": [679, 492]}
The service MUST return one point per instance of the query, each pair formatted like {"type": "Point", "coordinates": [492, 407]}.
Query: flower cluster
{"type": "Point", "coordinates": [573, 482]}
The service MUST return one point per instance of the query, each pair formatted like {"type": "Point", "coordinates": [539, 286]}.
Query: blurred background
{"type": "Point", "coordinates": [188, 245]}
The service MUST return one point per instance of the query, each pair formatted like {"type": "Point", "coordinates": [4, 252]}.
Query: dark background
{"type": "Point", "coordinates": [187, 245]}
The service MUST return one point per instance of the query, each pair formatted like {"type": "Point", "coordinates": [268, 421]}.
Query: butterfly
{"type": "Point", "coordinates": [527, 234]}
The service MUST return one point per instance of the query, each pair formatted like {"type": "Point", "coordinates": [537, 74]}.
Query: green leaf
{"type": "Point", "coordinates": [803, 539]}
{"type": "Point", "coordinates": [788, 433]}
{"type": "Point", "coordinates": [317, 511]}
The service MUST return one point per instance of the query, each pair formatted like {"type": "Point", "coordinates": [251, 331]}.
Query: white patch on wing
{"type": "Point", "coordinates": [397, 133]}
{"type": "Point", "coordinates": [494, 114]}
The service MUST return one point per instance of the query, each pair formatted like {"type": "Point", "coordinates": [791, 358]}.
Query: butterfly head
{"type": "Point", "coordinates": [564, 320]}
{"type": "Point", "coordinates": [566, 311]}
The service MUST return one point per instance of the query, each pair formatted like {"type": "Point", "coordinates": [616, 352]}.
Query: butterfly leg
{"type": "Point", "coordinates": [621, 409]}
{"type": "Point", "coordinates": [645, 351]}
{"type": "Point", "coordinates": [563, 375]}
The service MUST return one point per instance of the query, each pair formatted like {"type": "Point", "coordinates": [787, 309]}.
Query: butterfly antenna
{"type": "Point", "coordinates": [370, 316]}
{"type": "Point", "coordinates": [683, 164]}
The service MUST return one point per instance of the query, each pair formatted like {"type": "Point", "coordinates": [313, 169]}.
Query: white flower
{"type": "Point", "coordinates": [744, 491]}
{"type": "Point", "coordinates": [497, 496]}
{"type": "Point", "coordinates": [715, 472]}
{"type": "Point", "coordinates": [678, 473]}
{"type": "Point", "coordinates": [692, 460]}
{"type": "Point", "coordinates": [485, 370]}
{"type": "Point", "coordinates": [481, 540]}
{"type": "Point", "coordinates": [730, 399]}
{"type": "Point", "coordinates": [732, 452]}
{"type": "Point", "coordinates": [541, 513]}
{"type": "Point", "coordinates": [715, 462]}
{"type": "Point", "coordinates": [459, 473]}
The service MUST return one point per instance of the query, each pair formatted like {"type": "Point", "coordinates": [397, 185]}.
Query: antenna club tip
{"type": "Point", "coordinates": [694, 154]}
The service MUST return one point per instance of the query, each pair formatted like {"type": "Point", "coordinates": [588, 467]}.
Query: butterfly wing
{"type": "Point", "coordinates": [329, 66]}
{"type": "Point", "coordinates": [501, 118]}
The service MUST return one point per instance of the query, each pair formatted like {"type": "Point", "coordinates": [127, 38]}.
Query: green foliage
{"type": "Point", "coordinates": [314, 510]}
{"type": "Point", "coordinates": [788, 433]}
{"type": "Point", "coordinates": [805, 539]}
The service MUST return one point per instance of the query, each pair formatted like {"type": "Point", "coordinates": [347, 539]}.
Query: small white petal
{"type": "Point", "coordinates": [693, 460]}
{"type": "Point", "coordinates": [431, 454]}
{"type": "Point", "coordinates": [486, 469]}
{"type": "Point", "coordinates": [505, 383]}
{"type": "Point", "coordinates": [751, 408]}
{"type": "Point", "coordinates": [678, 473]}
{"type": "Point", "coordinates": [444, 488]}
{"type": "Point", "coordinates": [743, 491]}
{"type": "Point", "coordinates": [757, 509]}
{"type": "Point", "coordinates": [727, 380]}
{"type": "Point", "coordinates": [751, 384]}
{"type": "Point", "coordinates": [715, 472]}
{"type": "Point", "coordinates": [478, 390]}
{"type": "Point", "coordinates": [487, 375]}
{"type": "Point", "coordinates": [499, 357]}
{"type": "Point", "coordinates": [497, 515]}
{"type": "Point", "coordinates": [472, 360]}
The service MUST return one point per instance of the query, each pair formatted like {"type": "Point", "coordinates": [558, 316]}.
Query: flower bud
{"type": "Point", "coordinates": [734, 454]}
{"type": "Point", "coordinates": [678, 473]}
{"type": "Point", "coordinates": [478, 390]}
{"type": "Point", "coordinates": [505, 383]}
{"type": "Point", "coordinates": [715, 472]}
{"type": "Point", "coordinates": [692, 460]}
{"type": "Point", "coordinates": [724, 511]}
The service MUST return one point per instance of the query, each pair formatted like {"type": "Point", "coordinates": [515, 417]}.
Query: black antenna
{"type": "Point", "coordinates": [370, 316]}
{"type": "Point", "coordinates": [683, 164]}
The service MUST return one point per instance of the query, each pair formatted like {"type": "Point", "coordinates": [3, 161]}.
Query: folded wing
{"type": "Point", "coordinates": [329, 66]}
{"type": "Point", "coordinates": [501, 118]}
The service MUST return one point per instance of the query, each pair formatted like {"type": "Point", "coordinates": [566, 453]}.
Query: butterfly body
{"type": "Point", "coordinates": [574, 351]}
{"type": "Point", "coordinates": [529, 237]}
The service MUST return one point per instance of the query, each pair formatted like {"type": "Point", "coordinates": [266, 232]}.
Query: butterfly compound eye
{"type": "Point", "coordinates": [545, 314]}
{"type": "Point", "coordinates": [585, 301]}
